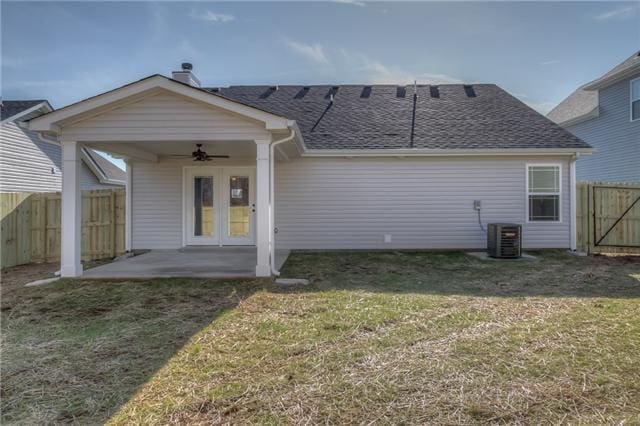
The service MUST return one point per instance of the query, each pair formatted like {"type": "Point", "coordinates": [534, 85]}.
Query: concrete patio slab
{"type": "Point", "coordinates": [196, 262]}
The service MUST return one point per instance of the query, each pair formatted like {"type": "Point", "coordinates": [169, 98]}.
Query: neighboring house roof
{"type": "Point", "coordinates": [578, 106]}
{"type": "Point", "coordinates": [11, 109]}
{"type": "Point", "coordinates": [105, 171]}
{"type": "Point", "coordinates": [628, 67]}
{"type": "Point", "coordinates": [481, 116]}
{"type": "Point", "coordinates": [583, 103]}
{"type": "Point", "coordinates": [111, 172]}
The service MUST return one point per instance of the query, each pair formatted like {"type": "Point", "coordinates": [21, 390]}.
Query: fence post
{"type": "Point", "coordinates": [112, 229]}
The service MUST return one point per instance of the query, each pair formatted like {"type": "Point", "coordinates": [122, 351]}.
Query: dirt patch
{"type": "Point", "coordinates": [18, 276]}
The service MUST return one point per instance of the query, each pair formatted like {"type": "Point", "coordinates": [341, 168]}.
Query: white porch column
{"type": "Point", "coordinates": [70, 249]}
{"type": "Point", "coordinates": [263, 266]}
{"type": "Point", "coordinates": [127, 205]}
{"type": "Point", "coordinates": [572, 209]}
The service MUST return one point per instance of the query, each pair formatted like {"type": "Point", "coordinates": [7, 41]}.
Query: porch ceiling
{"type": "Point", "coordinates": [165, 150]}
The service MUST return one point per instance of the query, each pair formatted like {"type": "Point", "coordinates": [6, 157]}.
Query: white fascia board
{"type": "Point", "coordinates": [42, 105]}
{"type": "Point", "coordinates": [48, 121]}
{"type": "Point", "coordinates": [440, 152]}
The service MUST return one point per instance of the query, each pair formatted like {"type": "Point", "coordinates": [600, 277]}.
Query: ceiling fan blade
{"type": "Point", "coordinates": [217, 156]}
{"type": "Point", "coordinates": [180, 155]}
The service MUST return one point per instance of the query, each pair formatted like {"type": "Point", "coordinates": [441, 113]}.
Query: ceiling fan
{"type": "Point", "coordinates": [200, 155]}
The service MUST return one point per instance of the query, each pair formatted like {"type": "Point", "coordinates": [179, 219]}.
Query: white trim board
{"type": "Point", "coordinates": [52, 120]}
{"type": "Point", "coordinates": [560, 195]}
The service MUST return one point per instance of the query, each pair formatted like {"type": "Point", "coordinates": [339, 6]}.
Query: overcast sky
{"type": "Point", "coordinates": [540, 52]}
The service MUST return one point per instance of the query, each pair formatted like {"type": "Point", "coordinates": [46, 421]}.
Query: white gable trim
{"type": "Point", "coordinates": [51, 122]}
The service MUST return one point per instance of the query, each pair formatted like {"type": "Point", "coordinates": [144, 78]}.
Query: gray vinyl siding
{"type": "Point", "coordinates": [614, 136]}
{"type": "Point", "coordinates": [423, 203]}
{"type": "Point", "coordinates": [156, 197]}
{"type": "Point", "coordinates": [335, 203]}
{"type": "Point", "coordinates": [29, 164]}
{"type": "Point", "coordinates": [156, 213]}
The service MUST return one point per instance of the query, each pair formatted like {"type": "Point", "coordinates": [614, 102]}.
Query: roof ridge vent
{"type": "Point", "coordinates": [468, 89]}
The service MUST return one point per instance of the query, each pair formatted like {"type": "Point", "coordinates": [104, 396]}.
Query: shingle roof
{"type": "Point", "coordinates": [578, 104]}
{"type": "Point", "coordinates": [10, 108]}
{"type": "Point", "coordinates": [632, 61]}
{"type": "Point", "coordinates": [584, 100]}
{"type": "Point", "coordinates": [110, 170]}
{"type": "Point", "coordinates": [383, 119]}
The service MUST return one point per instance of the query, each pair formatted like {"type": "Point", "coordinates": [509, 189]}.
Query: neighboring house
{"type": "Point", "coordinates": [321, 167]}
{"type": "Point", "coordinates": [31, 163]}
{"type": "Point", "coordinates": [606, 114]}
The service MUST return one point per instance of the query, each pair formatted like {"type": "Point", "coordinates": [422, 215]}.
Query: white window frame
{"type": "Point", "coordinates": [559, 193]}
{"type": "Point", "coordinates": [631, 100]}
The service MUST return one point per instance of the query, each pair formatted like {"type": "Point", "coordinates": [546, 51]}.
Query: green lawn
{"type": "Point", "coordinates": [389, 337]}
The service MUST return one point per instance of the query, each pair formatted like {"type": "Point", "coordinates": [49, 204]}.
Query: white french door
{"type": "Point", "coordinates": [219, 207]}
{"type": "Point", "coordinates": [239, 206]}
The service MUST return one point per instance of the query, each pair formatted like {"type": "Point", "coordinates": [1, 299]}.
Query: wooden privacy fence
{"type": "Point", "coordinates": [31, 226]}
{"type": "Point", "coordinates": [608, 217]}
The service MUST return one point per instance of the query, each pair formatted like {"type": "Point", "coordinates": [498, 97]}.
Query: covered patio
{"type": "Point", "coordinates": [196, 262]}
{"type": "Point", "coordinates": [208, 215]}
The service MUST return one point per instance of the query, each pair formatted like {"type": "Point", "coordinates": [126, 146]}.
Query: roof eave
{"type": "Point", "coordinates": [44, 105]}
{"type": "Point", "coordinates": [603, 83]}
{"type": "Point", "coordinates": [594, 113]}
{"type": "Point", "coordinates": [420, 152]}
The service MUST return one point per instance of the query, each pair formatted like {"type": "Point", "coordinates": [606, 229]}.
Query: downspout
{"type": "Point", "coordinates": [272, 200]}
{"type": "Point", "coordinates": [573, 211]}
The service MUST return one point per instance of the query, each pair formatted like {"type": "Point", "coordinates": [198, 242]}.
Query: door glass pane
{"type": "Point", "coordinates": [239, 208]}
{"type": "Point", "coordinates": [203, 209]}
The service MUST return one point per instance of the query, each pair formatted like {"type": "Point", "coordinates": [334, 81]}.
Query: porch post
{"type": "Point", "coordinates": [263, 266]}
{"type": "Point", "coordinates": [127, 206]}
{"type": "Point", "coordinates": [572, 209]}
{"type": "Point", "coordinates": [70, 250]}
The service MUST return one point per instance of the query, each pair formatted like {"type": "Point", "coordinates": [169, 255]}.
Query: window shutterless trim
{"type": "Point", "coordinates": [631, 100]}
{"type": "Point", "coordinates": [559, 193]}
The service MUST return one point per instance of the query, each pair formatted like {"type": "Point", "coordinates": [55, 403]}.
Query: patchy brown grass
{"type": "Point", "coordinates": [376, 338]}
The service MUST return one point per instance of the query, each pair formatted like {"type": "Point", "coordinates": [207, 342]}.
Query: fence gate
{"type": "Point", "coordinates": [608, 217]}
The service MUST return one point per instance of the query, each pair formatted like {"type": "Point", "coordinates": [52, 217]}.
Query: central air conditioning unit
{"type": "Point", "coordinates": [504, 240]}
